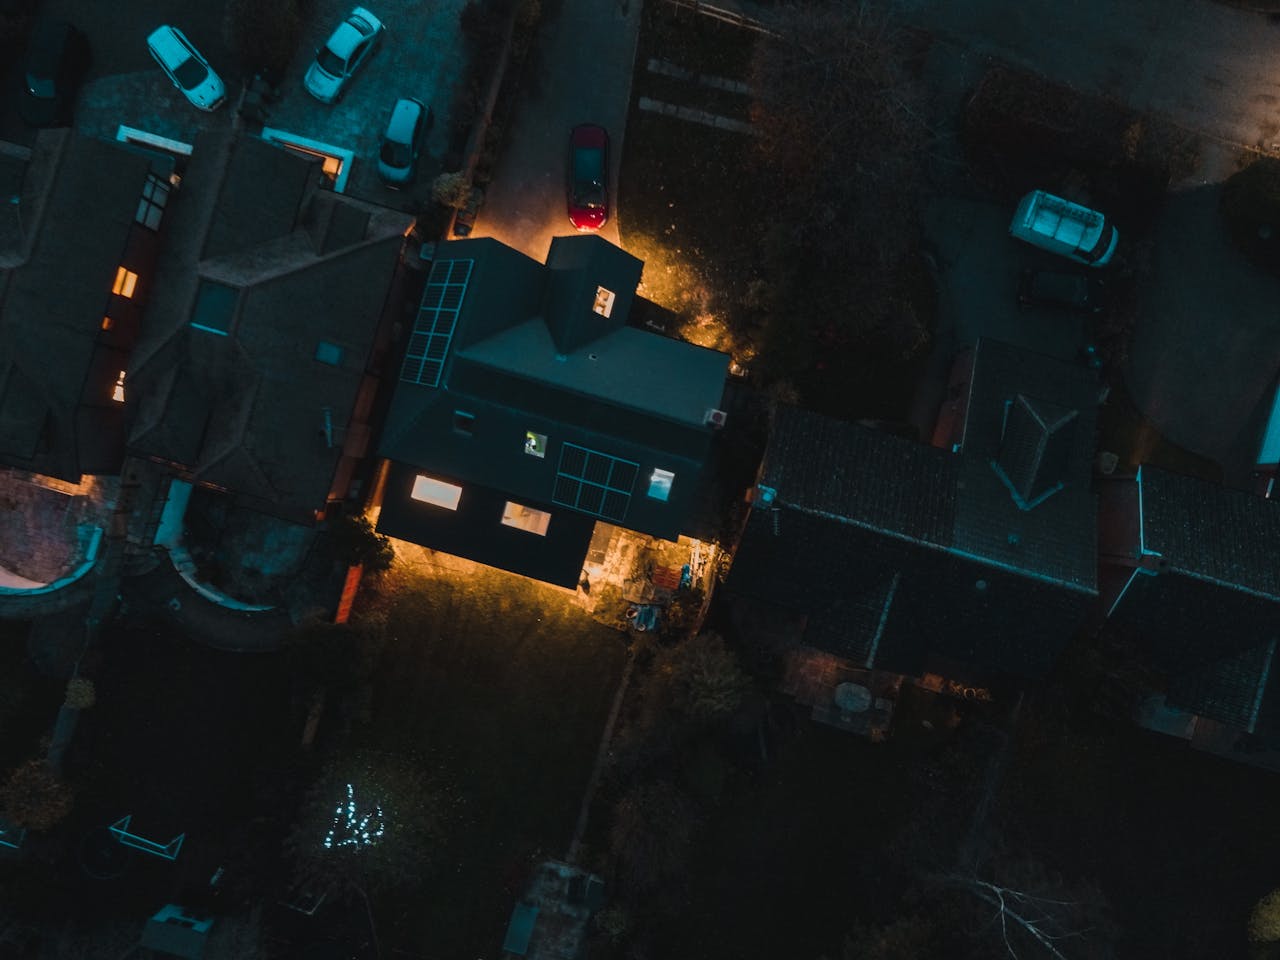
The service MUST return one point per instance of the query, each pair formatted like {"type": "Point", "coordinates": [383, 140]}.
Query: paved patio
{"type": "Point", "coordinates": [46, 525]}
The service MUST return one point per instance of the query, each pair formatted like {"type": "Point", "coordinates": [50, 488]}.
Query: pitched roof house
{"type": "Point", "coordinates": [1189, 568]}
{"type": "Point", "coordinates": [78, 228]}
{"type": "Point", "coordinates": [256, 373]}
{"type": "Point", "coordinates": [904, 557]}
{"type": "Point", "coordinates": [528, 409]}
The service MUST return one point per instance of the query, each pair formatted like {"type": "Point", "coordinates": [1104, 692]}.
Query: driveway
{"type": "Point", "coordinates": [1211, 68]}
{"type": "Point", "coordinates": [420, 55]}
{"type": "Point", "coordinates": [1204, 360]}
{"type": "Point", "coordinates": [579, 71]}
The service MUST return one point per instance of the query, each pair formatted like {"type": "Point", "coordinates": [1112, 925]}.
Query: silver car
{"type": "Point", "coordinates": [398, 154]}
{"type": "Point", "coordinates": [343, 53]}
{"type": "Point", "coordinates": [186, 68]}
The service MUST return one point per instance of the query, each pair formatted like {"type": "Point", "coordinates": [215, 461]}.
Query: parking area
{"type": "Point", "coordinates": [419, 55]}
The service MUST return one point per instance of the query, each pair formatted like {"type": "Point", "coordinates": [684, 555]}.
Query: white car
{"type": "Point", "coordinates": [398, 154]}
{"type": "Point", "coordinates": [346, 49]}
{"type": "Point", "coordinates": [189, 71]}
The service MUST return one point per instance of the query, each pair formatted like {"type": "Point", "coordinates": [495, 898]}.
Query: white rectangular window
{"type": "Point", "coordinates": [660, 484]}
{"type": "Point", "coordinates": [329, 353]}
{"type": "Point", "coordinates": [155, 194]}
{"type": "Point", "coordinates": [535, 444]}
{"type": "Point", "coordinates": [438, 493]}
{"type": "Point", "coordinates": [604, 302]}
{"type": "Point", "coordinates": [526, 518]}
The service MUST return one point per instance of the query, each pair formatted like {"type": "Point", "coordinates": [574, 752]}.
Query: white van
{"type": "Point", "coordinates": [1064, 228]}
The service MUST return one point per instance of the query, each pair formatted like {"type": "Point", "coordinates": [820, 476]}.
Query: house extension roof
{"type": "Point", "coordinates": [63, 231]}
{"type": "Point", "coordinates": [263, 322]}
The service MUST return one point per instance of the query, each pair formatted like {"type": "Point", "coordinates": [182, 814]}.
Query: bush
{"type": "Point", "coordinates": [33, 797]}
{"type": "Point", "coordinates": [356, 542]}
{"type": "Point", "coordinates": [81, 694]}
{"type": "Point", "coordinates": [451, 190]}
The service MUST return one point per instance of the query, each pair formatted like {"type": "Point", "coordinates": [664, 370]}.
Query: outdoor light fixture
{"type": "Point", "coordinates": [359, 831]}
{"type": "Point", "coordinates": [117, 394]}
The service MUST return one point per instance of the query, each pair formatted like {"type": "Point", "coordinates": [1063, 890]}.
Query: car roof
{"type": "Point", "coordinates": [50, 41]}
{"type": "Point", "coordinates": [167, 43]}
{"type": "Point", "coordinates": [589, 135]}
{"type": "Point", "coordinates": [403, 116]}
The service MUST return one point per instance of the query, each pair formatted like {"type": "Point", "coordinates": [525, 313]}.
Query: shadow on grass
{"type": "Point", "coordinates": [507, 683]}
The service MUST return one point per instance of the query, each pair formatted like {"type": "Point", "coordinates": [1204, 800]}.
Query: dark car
{"type": "Point", "coordinates": [56, 62]}
{"type": "Point", "coordinates": [1071, 290]}
{"type": "Point", "coordinates": [588, 177]}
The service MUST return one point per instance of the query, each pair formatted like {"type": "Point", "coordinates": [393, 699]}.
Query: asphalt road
{"type": "Point", "coordinates": [579, 71]}
{"type": "Point", "coordinates": [1207, 66]}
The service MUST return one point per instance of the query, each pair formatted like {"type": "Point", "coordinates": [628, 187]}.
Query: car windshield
{"type": "Point", "coordinates": [190, 73]}
{"type": "Point", "coordinates": [330, 62]}
{"type": "Point", "coordinates": [40, 87]}
{"type": "Point", "coordinates": [1104, 243]}
{"type": "Point", "coordinates": [588, 176]}
{"type": "Point", "coordinates": [395, 154]}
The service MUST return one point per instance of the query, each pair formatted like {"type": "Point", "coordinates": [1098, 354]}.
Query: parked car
{"type": "Point", "coordinates": [398, 155]}
{"type": "Point", "coordinates": [1073, 290]}
{"type": "Point", "coordinates": [189, 71]}
{"type": "Point", "coordinates": [588, 177]}
{"type": "Point", "coordinates": [346, 49]}
{"type": "Point", "coordinates": [57, 60]}
{"type": "Point", "coordinates": [1064, 228]}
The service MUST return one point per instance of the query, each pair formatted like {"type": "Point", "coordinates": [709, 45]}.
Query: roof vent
{"type": "Point", "coordinates": [716, 418]}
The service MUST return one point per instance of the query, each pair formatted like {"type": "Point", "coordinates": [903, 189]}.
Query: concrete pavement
{"type": "Point", "coordinates": [579, 71]}
{"type": "Point", "coordinates": [1208, 67]}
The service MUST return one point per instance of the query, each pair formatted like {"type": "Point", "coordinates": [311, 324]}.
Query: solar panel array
{"type": "Point", "coordinates": [437, 317]}
{"type": "Point", "coordinates": [594, 483]}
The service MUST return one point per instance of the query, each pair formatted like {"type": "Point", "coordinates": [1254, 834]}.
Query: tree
{"type": "Point", "coordinates": [372, 821]}
{"type": "Point", "coordinates": [357, 543]}
{"type": "Point", "coordinates": [34, 797]}
{"type": "Point", "coordinates": [843, 142]}
{"type": "Point", "coordinates": [1264, 921]}
{"type": "Point", "coordinates": [705, 680]}
{"type": "Point", "coordinates": [451, 190]}
{"type": "Point", "coordinates": [653, 825]}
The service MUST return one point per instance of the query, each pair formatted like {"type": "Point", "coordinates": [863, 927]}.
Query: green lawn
{"type": "Point", "coordinates": [506, 685]}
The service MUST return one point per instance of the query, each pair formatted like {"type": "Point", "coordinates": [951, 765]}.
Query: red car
{"type": "Point", "coordinates": [588, 177]}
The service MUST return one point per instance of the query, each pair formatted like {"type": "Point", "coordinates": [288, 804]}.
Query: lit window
{"type": "Point", "coordinates": [117, 394]}
{"type": "Point", "coordinates": [126, 281]}
{"type": "Point", "coordinates": [155, 194]}
{"type": "Point", "coordinates": [107, 323]}
{"type": "Point", "coordinates": [464, 423]}
{"type": "Point", "coordinates": [604, 302]}
{"type": "Point", "coordinates": [436, 492]}
{"type": "Point", "coordinates": [535, 444]}
{"type": "Point", "coordinates": [526, 518]}
{"type": "Point", "coordinates": [329, 353]}
{"type": "Point", "coordinates": [660, 484]}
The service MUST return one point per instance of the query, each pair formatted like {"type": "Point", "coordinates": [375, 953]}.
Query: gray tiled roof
{"type": "Point", "coordinates": [853, 474]}
{"type": "Point", "coordinates": [1208, 531]}
{"type": "Point", "coordinates": [1231, 689]}
{"type": "Point", "coordinates": [1055, 538]}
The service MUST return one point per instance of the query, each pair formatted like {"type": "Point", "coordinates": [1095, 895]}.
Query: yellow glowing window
{"type": "Point", "coordinates": [117, 394]}
{"type": "Point", "coordinates": [526, 518]}
{"type": "Point", "coordinates": [436, 492]}
{"type": "Point", "coordinates": [126, 280]}
{"type": "Point", "coordinates": [107, 323]}
{"type": "Point", "coordinates": [604, 302]}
